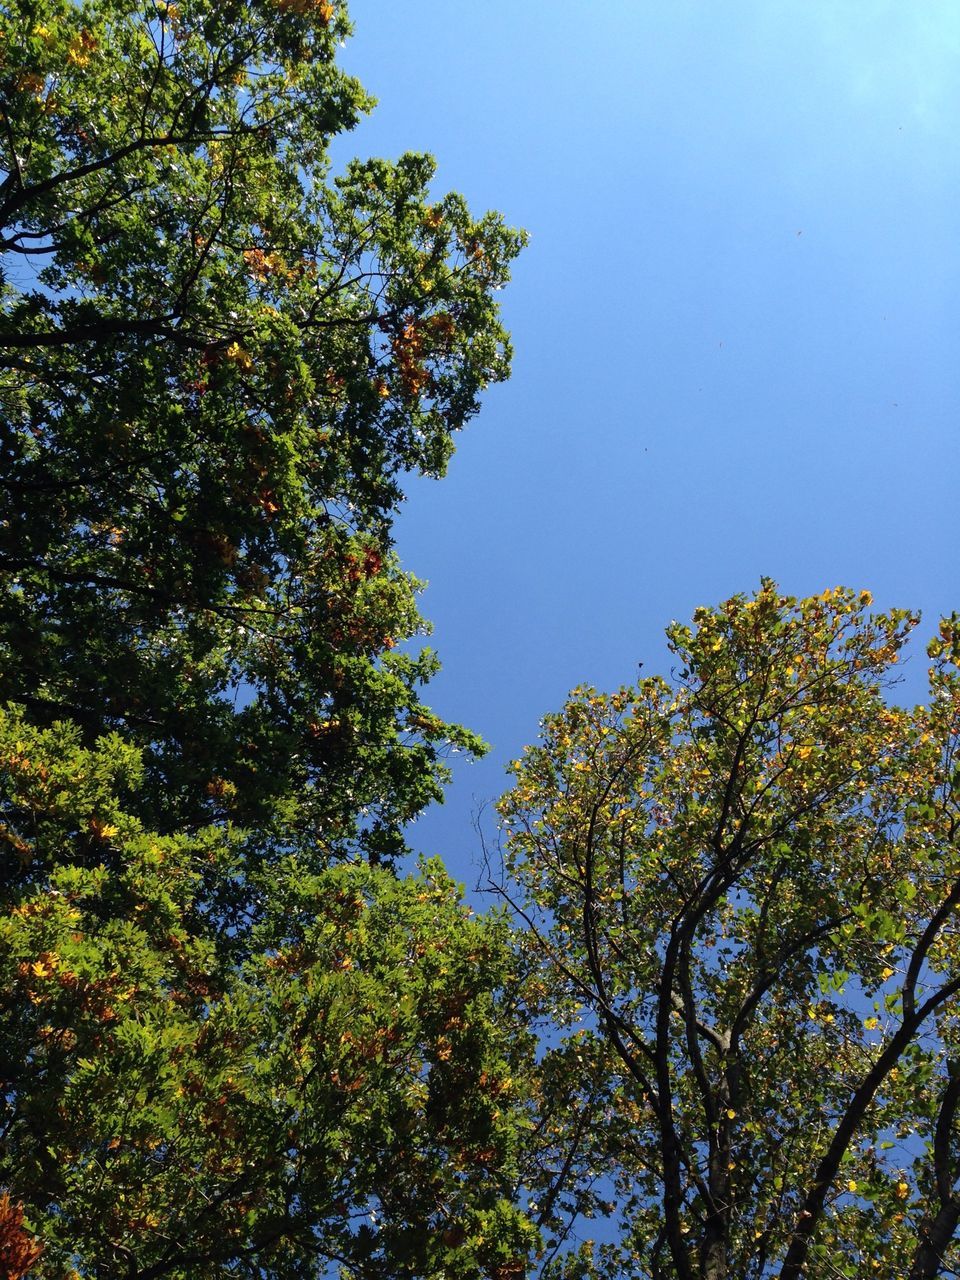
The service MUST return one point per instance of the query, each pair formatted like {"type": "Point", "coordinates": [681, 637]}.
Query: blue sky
{"type": "Point", "coordinates": [736, 328]}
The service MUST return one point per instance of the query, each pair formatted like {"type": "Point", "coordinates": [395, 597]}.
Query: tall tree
{"type": "Point", "coordinates": [216, 364]}
{"type": "Point", "coordinates": [232, 1045]}
{"type": "Point", "coordinates": [741, 889]}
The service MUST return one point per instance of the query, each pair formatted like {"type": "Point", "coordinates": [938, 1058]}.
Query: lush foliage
{"type": "Point", "coordinates": [741, 889]}
{"type": "Point", "coordinates": [215, 366]}
{"type": "Point", "coordinates": [329, 1086]}
{"type": "Point", "coordinates": [232, 1044]}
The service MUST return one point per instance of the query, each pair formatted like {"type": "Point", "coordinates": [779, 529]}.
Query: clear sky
{"type": "Point", "coordinates": [736, 327]}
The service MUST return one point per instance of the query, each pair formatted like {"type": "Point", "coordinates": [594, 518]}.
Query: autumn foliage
{"type": "Point", "coordinates": [740, 891]}
{"type": "Point", "coordinates": [19, 1250]}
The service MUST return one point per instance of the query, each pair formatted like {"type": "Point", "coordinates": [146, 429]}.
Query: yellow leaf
{"type": "Point", "coordinates": [237, 354]}
{"type": "Point", "coordinates": [103, 830]}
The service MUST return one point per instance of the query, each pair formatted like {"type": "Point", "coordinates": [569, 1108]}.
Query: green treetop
{"type": "Point", "coordinates": [216, 364]}
{"type": "Point", "coordinates": [230, 1046]}
{"type": "Point", "coordinates": [337, 1092]}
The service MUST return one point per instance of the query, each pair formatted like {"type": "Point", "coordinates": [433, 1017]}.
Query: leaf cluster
{"type": "Point", "coordinates": [334, 1088]}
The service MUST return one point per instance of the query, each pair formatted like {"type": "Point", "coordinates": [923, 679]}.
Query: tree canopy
{"type": "Point", "coordinates": [334, 1087]}
{"type": "Point", "coordinates": [236, 1042]}
{"type": "Point", "coordinates": [216, 365]}
{"type": "Point", "coordinates": [233, 1044]}
{"type": "Point", "coordinates": [740, 888]}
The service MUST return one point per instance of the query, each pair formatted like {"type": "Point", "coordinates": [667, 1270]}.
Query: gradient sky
{"type": "Point", "coordinates": [736, 328]}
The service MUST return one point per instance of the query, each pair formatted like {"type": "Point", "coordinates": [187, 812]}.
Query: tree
{"type": "Point", "coordinates": [216, 364]}
{"type": "Point", "coordinates": [335, 1088]}
{"type": "Point", "coordinates": [233, 1044]}
{"type": "Point", "coordinates": [741, 892]}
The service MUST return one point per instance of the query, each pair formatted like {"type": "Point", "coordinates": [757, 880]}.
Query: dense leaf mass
{"type": "Point", "coordinates": [216, 364]}
{"type": "Point", "coordinates": [231, 1044]}
{"type": "Point", "coordinates": [331, 1087]}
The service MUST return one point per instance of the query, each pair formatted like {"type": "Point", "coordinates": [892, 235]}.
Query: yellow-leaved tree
{"type": "Point", "coordinates": [741, 890]}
